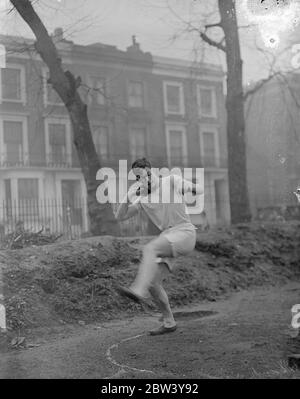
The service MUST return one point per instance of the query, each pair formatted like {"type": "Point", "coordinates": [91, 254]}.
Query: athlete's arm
{"type": "Point", "coordinates": [187, 186]}
{"type": "Point", "coordinates": [126, 211]}
{"type": "Point", "coordinates": [193, 188]}
{"type": "Point", "coordinates": [297, 193]}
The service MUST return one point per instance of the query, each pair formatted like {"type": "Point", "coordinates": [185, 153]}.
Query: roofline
{"type": "Point", "coordinates": [159, 62]}
{"type": "Point", "coordinates": [183, 63]}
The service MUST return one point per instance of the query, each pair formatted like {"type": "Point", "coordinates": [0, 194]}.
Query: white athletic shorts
{"type": "Point", "coordinates": [182, 239]}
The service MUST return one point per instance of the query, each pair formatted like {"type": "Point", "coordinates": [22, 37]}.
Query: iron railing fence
{"type": "Point", "coordinates": [66, 218]}
{"type": "Point", "coordinates": [69, 219]}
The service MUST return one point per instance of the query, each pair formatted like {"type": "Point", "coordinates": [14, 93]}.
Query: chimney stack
{"type": "Point", "coordinates": [58, 34]}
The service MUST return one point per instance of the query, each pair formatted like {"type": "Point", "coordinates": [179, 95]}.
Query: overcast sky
{"type": "Point", "coordinates": [115, 21]}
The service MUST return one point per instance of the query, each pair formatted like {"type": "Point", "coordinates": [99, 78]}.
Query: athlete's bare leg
{"type": "Point", "coordinates": [149, 268]}
{"type": "Point", "coordinates": [160, 296]}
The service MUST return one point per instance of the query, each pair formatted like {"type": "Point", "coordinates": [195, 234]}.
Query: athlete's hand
{"type": "Point", "coordinates": [297, 193]}
{"type": "Point", "coordinates": [134, 192]}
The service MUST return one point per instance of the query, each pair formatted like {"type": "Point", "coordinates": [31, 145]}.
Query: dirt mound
{"type": "Point", "coordinates": [69, 281]}
{"type": "Point", "coordinates": [22, 238]}
{"type": "Point", "coordinates": [74, 281]}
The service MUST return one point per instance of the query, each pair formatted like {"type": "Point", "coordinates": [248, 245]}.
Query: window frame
{"type": "Point", "coordinates": [182, 129]}
{"type": "Point", "coordinates": [58, 121]}
{"type": "Point", "coordinates": [215, 131]}
{"type": "Point", "coordinates": [212, 89]}
{"type": "Point", "coordinates": [136, 127]}
{"type": "Point", "coordinates": [28, 178]}
{"type": "Point", "coordinates": [23, 93]}
{"type": "Point", "coordinates": [15, 191]}
{"type": "Point", "coordinates": [142, 96]}
{"type": "Point", "coordinates": [14, 176]}
{"type": "Point", "coordinates": [24, 121]}
{"type": "Point", "coordinates": [179, 85]}
{"type": "Point", "coordinates": [90, 101]}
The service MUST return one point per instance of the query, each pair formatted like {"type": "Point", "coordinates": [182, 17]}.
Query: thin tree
{"type": "Point", "coordinates": [228, 42]}
{"type": "Point", "coordinates": [237, 172]}
{"type": "Point", "coordinates": [102, 220]}
{"type": "Point", "coordinates": [237, 169]}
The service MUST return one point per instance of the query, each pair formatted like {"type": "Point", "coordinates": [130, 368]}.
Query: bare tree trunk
{"type": "Point", "coordinates": [237, 167]}
{"type": "Point", "coordinates": [102, 220]}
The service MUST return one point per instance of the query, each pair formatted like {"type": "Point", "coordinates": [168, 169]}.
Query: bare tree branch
{"type": "Point", "coordinates": [212, 42]}
{"type": "Point", "coordinates": [271, 59]}
{"type": "Point", "coordinates": [248, 26]}
{"type": "Point", "coordinates": [192, 28]}
{"type": "Point", "coordinates": [291, 91]}
{"type": "Point", "coordinates": [218, 24]}
{"type": "Point", "coordinates": [259, 85]}
{"type": "Point", "coordinates": [45, 47]}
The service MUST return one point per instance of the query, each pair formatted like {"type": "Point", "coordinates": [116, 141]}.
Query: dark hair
{"type": "Point", "coordinates": [142, 163]}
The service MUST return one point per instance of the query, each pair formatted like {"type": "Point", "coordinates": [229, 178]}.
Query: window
{"type": "Point", "coordinates": [28, 194]}
{"type": "Point", "coordinates": [138, 143]}
{"type": "Point", "coordinates": [136, 94]}
{"type": "Point", "coordinates": [176, 154]}
{"type": "Point", "coordinates": [101, 141]}
{"type": "Point", "coordinates": [13, 84]}
{"type": "Point", "coordinates": [207, 101]}
{"type": "Point", "coordinates": [13, 142]}
{"type": "Point", "coordinates": [52, 97]}
{"type": "Point", "coordinates": [57, 142]}
{"type": "Point", "coordinates": [98, 88]}
{"type": "Point", "coordinates": [209, 147]}
{"type": "Point", "coordinates": [173, 98]}
{"type": "Point", "coordinates": [176, 146]}
{"type": "Point", "coordinates": [28, 189]}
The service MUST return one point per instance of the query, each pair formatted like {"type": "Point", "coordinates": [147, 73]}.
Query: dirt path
{"type": "Point", "coordinates": [241, 337]}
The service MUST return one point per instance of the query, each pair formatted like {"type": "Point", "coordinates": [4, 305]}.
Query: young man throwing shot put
{"type": "Point", "coordinates": [162, 200]}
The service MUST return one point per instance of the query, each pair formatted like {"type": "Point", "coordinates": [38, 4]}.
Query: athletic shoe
{"type": "Point", "coordinates": [163, 330]}
{"type": "Point", "coordinates": [133, 296]}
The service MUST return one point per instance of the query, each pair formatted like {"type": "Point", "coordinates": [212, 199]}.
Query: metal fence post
{"type": "Point", "coordinates": [69, 225]}
{"type": "Point", "coordinates": [2, 307]}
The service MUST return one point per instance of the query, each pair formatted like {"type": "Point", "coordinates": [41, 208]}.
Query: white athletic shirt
{"type": "Point", "coordinates": [172, 211]}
